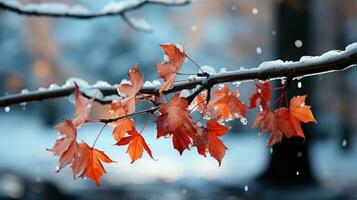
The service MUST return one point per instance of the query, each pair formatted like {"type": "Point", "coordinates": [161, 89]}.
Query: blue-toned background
{"type": "Point", "coordinates": [36, 52]}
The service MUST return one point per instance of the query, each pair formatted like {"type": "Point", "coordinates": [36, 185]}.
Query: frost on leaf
{"type": "Point", "coordinates": [136, 146]}
{"type": "Point", "coordinates": [89, 163]}
{"type": "Point", "coordinates": [176, 121]}
{"type": "Point", "coordinates": [169, 69]}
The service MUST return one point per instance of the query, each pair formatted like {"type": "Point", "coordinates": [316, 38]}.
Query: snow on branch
{"type": "Point", "coordinates": [331, 61]}
{"type": "Point", "coordinates": [59, 10]}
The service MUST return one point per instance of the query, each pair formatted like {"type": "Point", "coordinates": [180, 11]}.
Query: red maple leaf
{"type": "Point", "coordinates": [227, 105]}
{"type": "Point", "coordinates": [129, 90]}
{"type": "Point", "coordinates": [206, 139]}
{"type": "Point", "coordinates": [66, 147]}
{"type": "Point", "coordinates": [199, 104]}
{"type": "Point", "coordinates": [89, 163]}
{"type": "Point", "coordinates": [136, 146]}
{"type": "Point", "coordinates": [285, 121]}
{"type": "Point", "coordinates": [123, 125]}
{"type": "Point", "coordinates": [263, 93]}
{"type": "Point", "coordinates": [175, 120]}
{"type": "Point", "coordinates": [169, 69]}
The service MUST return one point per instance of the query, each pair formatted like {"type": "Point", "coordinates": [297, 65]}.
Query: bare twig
{"type": "Point", "coordinates": [150, 110]}
{"type": "Point", "coordinates": [79, 12]}
{"type": "Point", "coordinates": [333, 63]}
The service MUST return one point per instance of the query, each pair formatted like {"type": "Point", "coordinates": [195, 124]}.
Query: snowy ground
{"type": "Point", "coordinates": [23, 143]}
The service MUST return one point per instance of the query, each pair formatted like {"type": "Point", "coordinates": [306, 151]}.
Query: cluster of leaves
{"type": "Point", "coordinates": [173, 118]}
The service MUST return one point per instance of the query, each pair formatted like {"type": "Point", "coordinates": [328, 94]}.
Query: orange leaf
{"type": "Point", "coordinates": [199, 104]}
{"type": "Point", "coordinates": [215, 146]}
{"type": "Point", "coordinates": [129, 91]}
{"type": "Point", "coordinates": [122, 126]}
{"type": "Point", "coordinates": [170, 68]}
{"type": "Point", "coordinates": [206, 139]}
{"type": "Point", "coordinates": [175, 120]}
{"type": "Point", "coordinates": [136, 146]}
{"type": "Point", "coordinates": [227, 105]}
{"type": "Point", "coordinates": [285, 121]}
{"type": "Point", "coordinates": [263, 93]}
{"type": "Point", "coordinates": [299, 110]}
{"type": "Point", "coordinates": [66, 147]}
{"type": "Point", "coordinates": [83, 107]}
{"type": "Point", "coordinates": [89, 163]}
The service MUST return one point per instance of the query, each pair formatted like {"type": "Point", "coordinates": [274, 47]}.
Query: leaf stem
{"type": "Point", "coordinates": [194, 63]}
{"type": "Point", "coordinates": [100, 132]}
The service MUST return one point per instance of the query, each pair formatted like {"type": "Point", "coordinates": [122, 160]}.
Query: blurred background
{"type": "Point", "coordinates": [37, 52]}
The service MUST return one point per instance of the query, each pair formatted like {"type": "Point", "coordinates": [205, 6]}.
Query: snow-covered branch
{"type": "Point", "coordinates": [331, 61]}
{"type": "Point", "coordinates": [59, 10]}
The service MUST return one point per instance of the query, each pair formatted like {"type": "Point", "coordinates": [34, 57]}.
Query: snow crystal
{"type": "Point", "coordinates": [331, 53]}
{"type": "Point", "coordinates": [102, 84]}
{"type": "Point", "coordinates": [154, 83]}
{"type": "Point", "coordinates": [111, 98]}
{"type": "Point", "coordinates": [184, 93]}
{"type": "Point", "coordinates": [236, 83]}
{"type": "Point", "coordinates": [344, 143]}
{"type": "Point", "coordinates": [180, 47]}
{"type": "Point", "coordinates": [223, 69]}
{"type": "Point", "coordinates": [351, 46]}
{"type": "Point", "coordinates": [299, 154]}
{"type": "Point", "coordinates": [255, 11]}
{"type": "Point", "coordinates": [298, 43]}
{"type": "Point", "coordinates": [7, 109]}
{"type": "Point", "coordinates": [194, 28]}
{"type": "Point", "coordinates": [208, 69]}
{"type": "Point", "coordinates": [244, 121]}
{"type": "Point", "coordinates": [306, 58]}
{"type": "Point", "coordinates": [80, 82]}
{"type": "Point", "coordinates": [258, 50]}
{"type": "Point", "coordinates": [125, 81]}
{"type": "Point", "coordinates": [50, 7]}
{"type": "Point", "coordinates": [53, 86]}
{"type": "Point", "coordinates": [42, 89]}
{"type": "Point", "coordinates": [113, 6]}
{"type": "Point", "coordinates": [299, 85]}
{"type": "Point", "coordinates": [271, 64]}
{"type": "Point", "coordinates": [246, 188]}
{"type": "Point", "coordinates": [297, 173]}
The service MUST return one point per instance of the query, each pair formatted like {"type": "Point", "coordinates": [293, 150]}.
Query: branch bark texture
{"type": "Point", "coordinates": [327, 63]}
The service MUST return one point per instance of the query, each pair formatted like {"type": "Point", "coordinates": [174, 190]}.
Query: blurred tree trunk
{"type": "Point", "coordinates": [289, 163]}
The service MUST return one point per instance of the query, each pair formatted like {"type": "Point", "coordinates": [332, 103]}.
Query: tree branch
{"type": "Point", "coordinates": [58, 10]}
{"type": "Point", "coordinates": [329, 62]}
{"type": "Point", "coordinates": [149, 110]}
